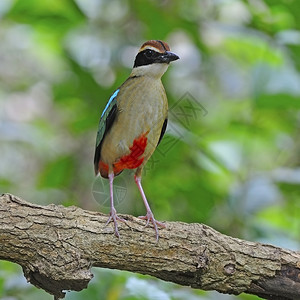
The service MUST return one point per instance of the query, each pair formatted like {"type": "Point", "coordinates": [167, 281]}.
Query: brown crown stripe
{"type": "Point", "coordinates": [157, 45]}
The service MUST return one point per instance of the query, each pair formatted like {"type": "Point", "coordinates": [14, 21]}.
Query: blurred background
{"type": "Point", "coordinates": [230, 158]}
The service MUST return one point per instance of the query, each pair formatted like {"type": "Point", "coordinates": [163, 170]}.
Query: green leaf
{"type": "Point", "coordinates": [57, 173]}
{"type": "Point", "coordinates": [277, 101]}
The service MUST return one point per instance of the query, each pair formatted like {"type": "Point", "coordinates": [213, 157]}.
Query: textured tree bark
{"type": "Point", "coordinates": [56, 247]}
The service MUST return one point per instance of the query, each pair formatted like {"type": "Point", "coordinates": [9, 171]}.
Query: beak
{"type": "Point", "coordinates": [168, 56]}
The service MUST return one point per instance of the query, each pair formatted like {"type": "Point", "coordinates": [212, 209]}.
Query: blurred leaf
{"type": "Point", "coordinates": [251, 49]}
{"type": "Point", "coordinates": [278, 101]}
{"type": "Point", "coordinates": [57, 14]}
{"type": "Point", "coordinates": [57, 173]}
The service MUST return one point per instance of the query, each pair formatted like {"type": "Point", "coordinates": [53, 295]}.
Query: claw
{"type": "Point", "coordinates": [150, 218]}
{"type": "Point", "coordinates": [114, 218]}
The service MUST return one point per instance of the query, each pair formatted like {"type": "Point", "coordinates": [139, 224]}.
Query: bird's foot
{"type": "Point", "coordinates": [114, 218]}
{"type": "Point", "coordinates": [150, 218]}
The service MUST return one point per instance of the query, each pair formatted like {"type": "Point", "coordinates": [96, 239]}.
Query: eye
{"type": "Point", "coordinates": [149, 53]}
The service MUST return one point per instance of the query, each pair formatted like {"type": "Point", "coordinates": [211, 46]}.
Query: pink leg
{"type": "Point", "coordinates": [149, 216]}
{"type": "Point", "coordinates": [113, 213]}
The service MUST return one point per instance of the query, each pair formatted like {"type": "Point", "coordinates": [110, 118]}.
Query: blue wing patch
{"type": "Point", "coordinates": [113, 96]}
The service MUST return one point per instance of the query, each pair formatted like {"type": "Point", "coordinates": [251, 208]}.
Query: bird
{"type": "Point", "coordinates": [133, 123]}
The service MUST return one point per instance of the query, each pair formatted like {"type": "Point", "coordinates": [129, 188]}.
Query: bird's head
{"type": "Point", "coordinates": [153, 58]}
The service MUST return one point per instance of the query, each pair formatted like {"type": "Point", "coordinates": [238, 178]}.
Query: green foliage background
{"type": "Point", "coordinates": [235, 168]}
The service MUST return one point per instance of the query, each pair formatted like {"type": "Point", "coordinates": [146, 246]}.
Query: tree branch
{"type": "Point", "coordinates": [56, 247]}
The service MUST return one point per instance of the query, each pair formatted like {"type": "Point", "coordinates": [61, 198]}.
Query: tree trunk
{"type": "Point", "coordinates": [57, 246]}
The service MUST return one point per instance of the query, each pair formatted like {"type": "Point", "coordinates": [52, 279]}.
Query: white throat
{"type": "Point", "coordinates": [156, 70]}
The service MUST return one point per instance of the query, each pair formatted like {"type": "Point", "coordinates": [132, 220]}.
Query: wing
{"type": "Point", "coordinates": [163, 130]}
{"type": "Point", "coordinates": [107, 118]}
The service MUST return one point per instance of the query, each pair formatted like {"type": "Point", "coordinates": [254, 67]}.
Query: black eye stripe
{"type": "Point", "coordinates": [151, 53]}
{"type": "Point", "coordinates": [146, 57]}
{"type": "Point", "coordinates": [148, 53]}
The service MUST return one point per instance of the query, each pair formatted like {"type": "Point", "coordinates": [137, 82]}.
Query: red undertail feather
{"type": "Point", "coordinates": [130, 161]}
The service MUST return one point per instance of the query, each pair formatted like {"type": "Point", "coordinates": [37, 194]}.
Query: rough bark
{"type": "Point", "coordinates": [56, 247]}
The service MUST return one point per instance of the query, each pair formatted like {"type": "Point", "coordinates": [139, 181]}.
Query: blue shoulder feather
{"type": "Point", "coordinates": [113, 96]}
{"type": "Point", "coordinates": [105, 120]}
